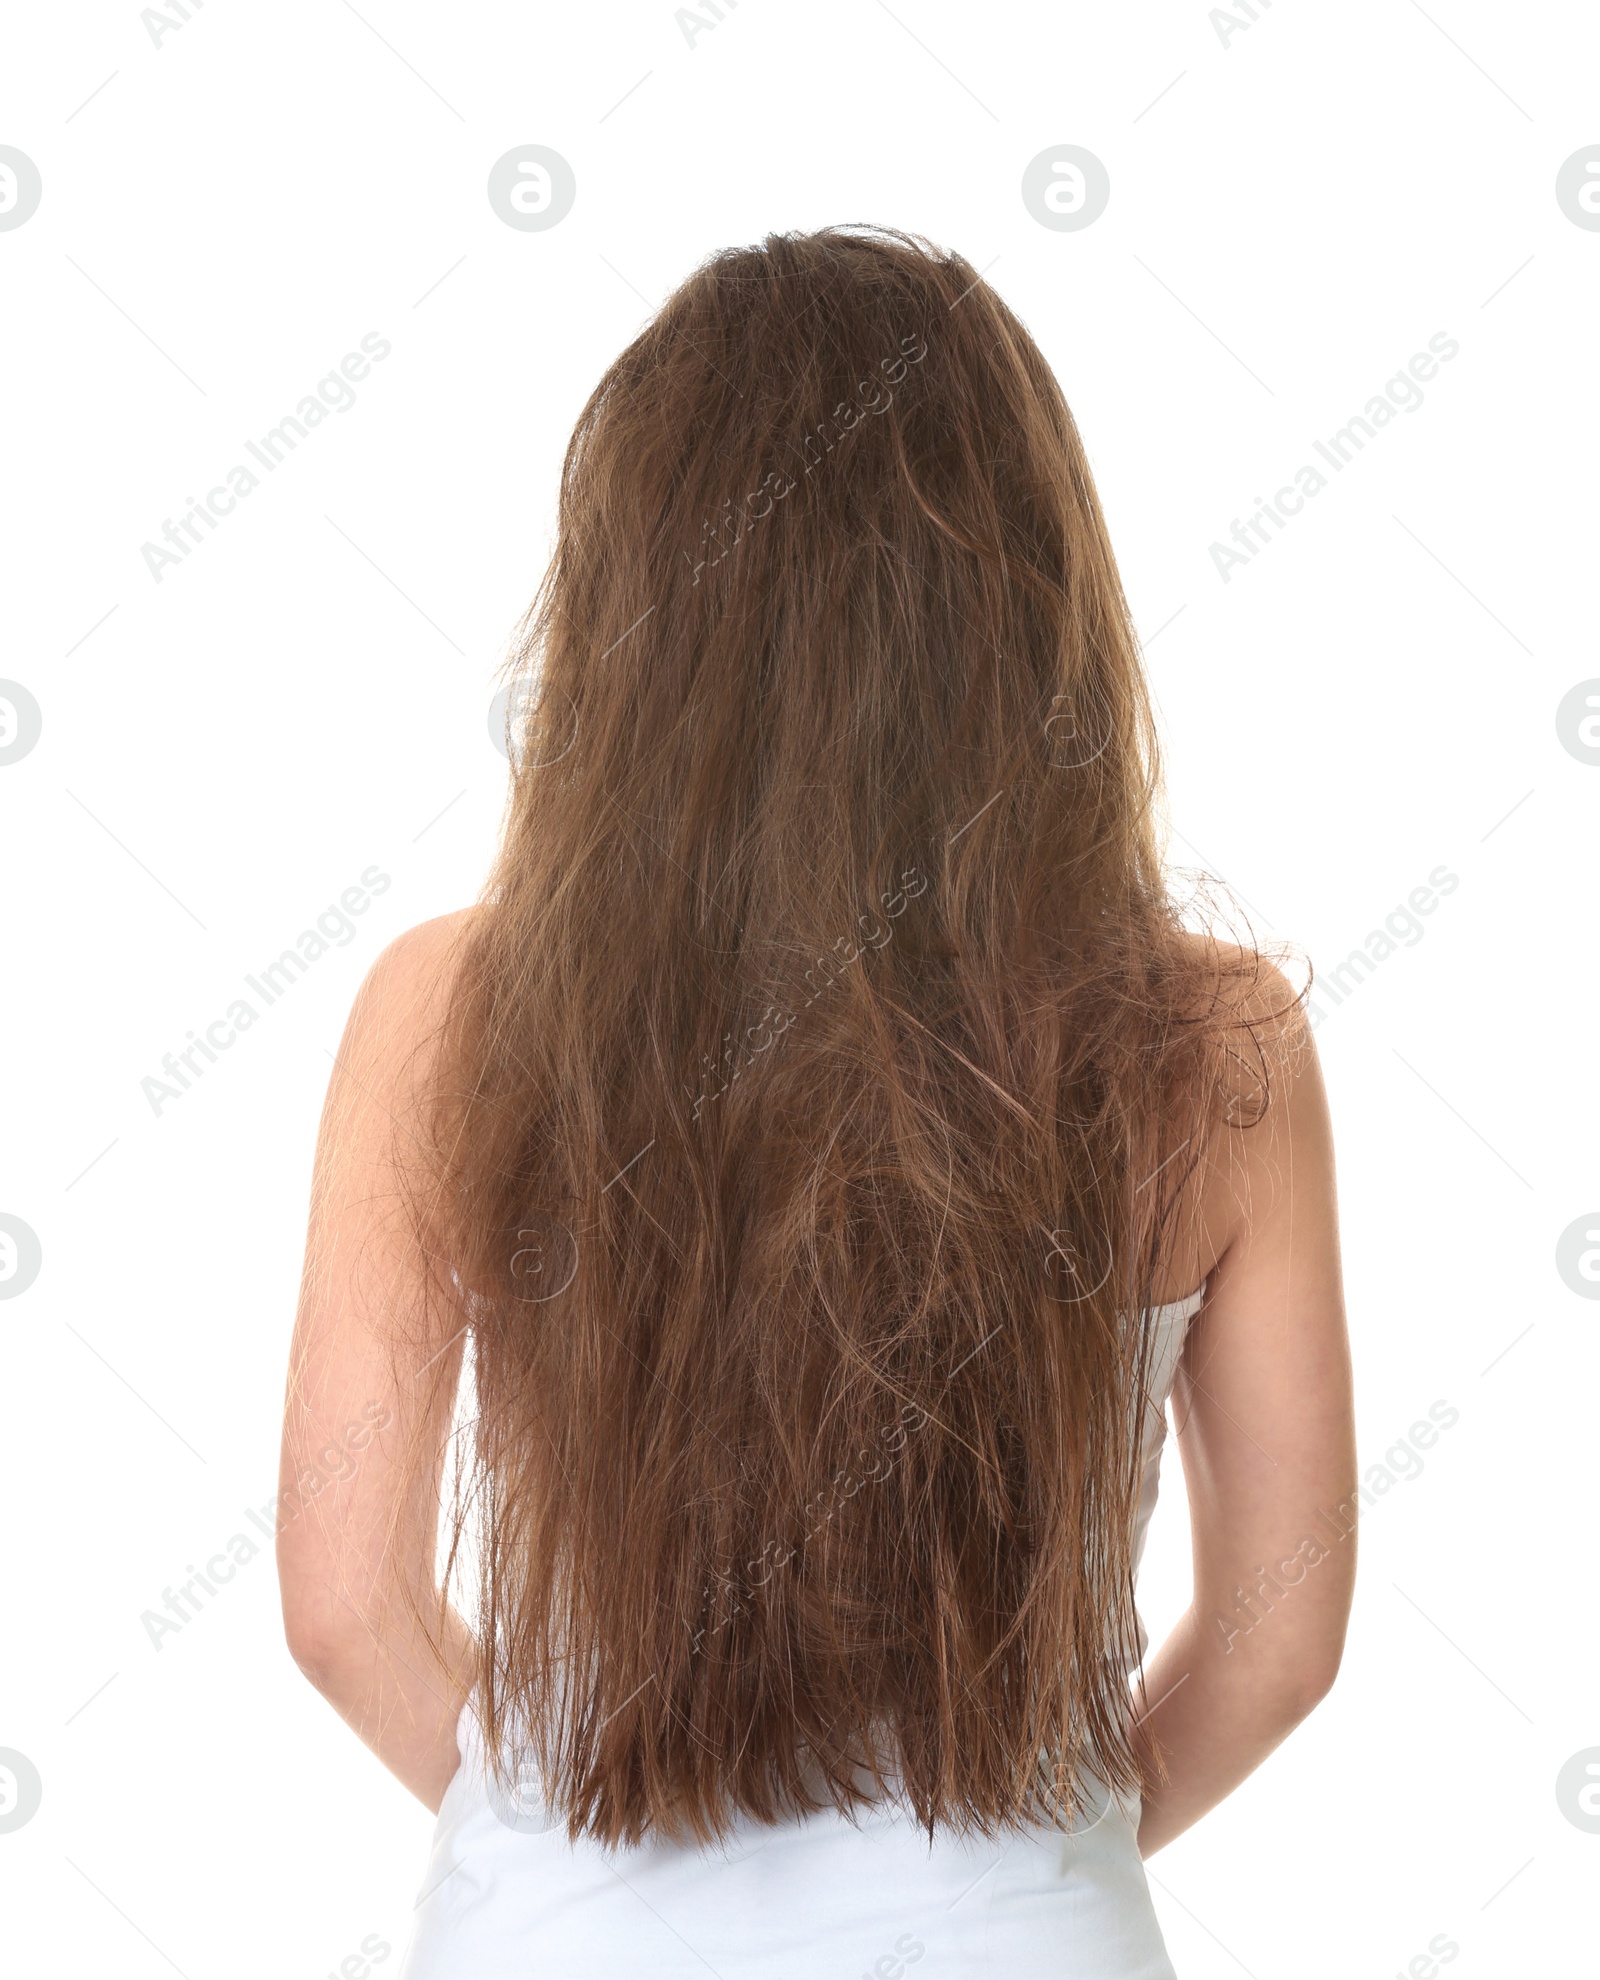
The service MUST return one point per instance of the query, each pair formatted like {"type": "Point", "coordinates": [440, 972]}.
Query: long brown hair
{"type": "Point", "coordinates": [824, 1078]}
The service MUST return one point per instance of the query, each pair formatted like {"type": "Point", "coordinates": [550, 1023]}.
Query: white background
{"type": "Point", "coordinates": [1294, 212]}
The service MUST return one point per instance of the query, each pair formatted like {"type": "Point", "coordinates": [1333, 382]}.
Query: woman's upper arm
{"type": "Point", "coordinates": [357, 1519]}
{"type": "Point", "coordinates": [1264, 1393]}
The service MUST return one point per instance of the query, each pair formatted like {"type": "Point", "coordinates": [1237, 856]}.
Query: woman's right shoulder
{"type": "Point", "coordinates": [401, 1006]}
{"type": "Point", "coordinates": [426, 947]}
{"type": "Point", "coordinates": [416, 968]}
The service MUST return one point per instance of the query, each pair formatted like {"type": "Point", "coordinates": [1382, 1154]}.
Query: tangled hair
{"type": "Point", "coordinates": [824, 1081]}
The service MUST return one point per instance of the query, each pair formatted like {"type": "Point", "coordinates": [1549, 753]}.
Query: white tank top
{"type": "Point", "coordinates": [820, 1897]}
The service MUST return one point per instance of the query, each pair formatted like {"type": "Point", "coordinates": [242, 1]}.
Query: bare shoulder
{"type": "Point", "coordinates": [1272, 1109]}
{"type": "Point", "coordinates": [405, 991]}
{"type": "Point", "coordinates": [386, 1054]}
{"type": "Point", "coordinates": [1248, 986]}
{"type": "Point", "coordinates": [1262, 1017]}
{"type": "Point", "coordinates": [418, 958]}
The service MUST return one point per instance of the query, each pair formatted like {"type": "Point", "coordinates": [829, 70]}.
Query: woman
{"type": "Point", "coordinates": [817, 1156]}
